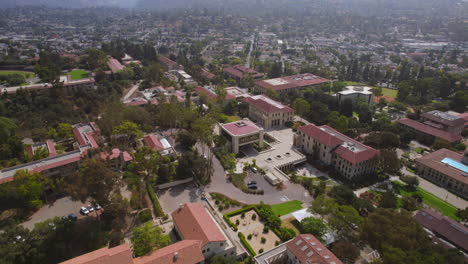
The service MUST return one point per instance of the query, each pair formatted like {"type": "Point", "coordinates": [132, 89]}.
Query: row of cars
{"type": "Point", "coordinates": [84, 211]}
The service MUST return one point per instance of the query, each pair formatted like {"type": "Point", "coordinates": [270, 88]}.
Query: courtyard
{"type": "Point", "coordinates": [251, 226]}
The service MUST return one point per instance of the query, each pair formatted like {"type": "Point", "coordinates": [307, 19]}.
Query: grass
{"type": "Point", "coordinates": [287, 207]}
{"type": "Point", "coordinates": [26, 75]}
{"type": "Point", "coordinates": [429, 199]}
{"type": "Point", "coordinates": [229, 118]}
{"type": "Point", "coordinates": [78, 74]}
{"type": "Point", "coordinates": [389, 92]}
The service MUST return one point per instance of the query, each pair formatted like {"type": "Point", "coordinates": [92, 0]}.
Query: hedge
{"type": "Point", "coordinates": [226, 216]}
{"type": "Point", "coordinates": [156, 206]}
{"type": "Point", "coordinates": [246, 244]}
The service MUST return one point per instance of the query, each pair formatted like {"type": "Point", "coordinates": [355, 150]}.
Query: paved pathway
{"type": "Point", "coordinates": [130, 93]}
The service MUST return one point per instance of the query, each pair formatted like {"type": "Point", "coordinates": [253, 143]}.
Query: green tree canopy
{"type": "Point", "coordinates": [147, 238]}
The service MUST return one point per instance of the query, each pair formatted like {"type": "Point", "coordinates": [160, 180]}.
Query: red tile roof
{"type": "Point", "coordinates": [193, 222]}
{"type": "Point", "coordinates": [116, 154]}
{"type": "Point", "coordinates": [294, 81]}
{"type": "Point", "coordinates": [450, 137]}
{"type": "Point", "coordinates": [208, 75]}
{"type": "Point", "coordinates": [117, 255]}
{"type": "Point", "coordinates": [433, 161]}
{"type": "Point", "coordinates": [334, 139]}
{"type": "Point", "coordinates": [114, 65]}
{"type": "Point", "coordinates": [449, 229]}
{"type": "Point", "coordinates": [308, 249]}
{"type": "Point", "coordinates": [241, 127]}
{"type": "Point", "coordinates": [238, 71]}
{"type": "Point", "coordinates": [267, 104]}
{"type": "Point", "coordinates": [152, 142]}
{"type": "Point", "coordinates": [213, 95]}
{"type": "Point", "coordinates": [166, 61]}
{"type": "Point", "coordinates": [57, 164]}
{"type": "Point", "coordinates": [182, 252]}
{"type": "Point", "coordinates": [51, 148]}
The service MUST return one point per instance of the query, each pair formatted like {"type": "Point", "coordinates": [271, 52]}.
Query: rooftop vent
{"type": "Point", "coordinates": [241, 124]}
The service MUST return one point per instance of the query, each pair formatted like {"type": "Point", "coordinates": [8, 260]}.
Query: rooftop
{"type": "Point", "coordinates": [308, 249]}
{"type": "Point", "coordinates": [444, 118]}
{"type": "Point", "coordinates": [193, 222]}
{"type": "Point", "coordinates": [450, 137]}
{"type": "Point", "coordinates": [182, 252]}
{"type": "Point", "coordinates": [449, 229]}
{"type": "Point", "coordinates": [117, 255]}
{"type": "Point", "coordinates": [84, 134]}
{"type": "Point", "coordinates": [114, 65]}
{"type": "Point", "coordinates": [242, 127]}
{"type": "Point", "coordinates": [239, 71]}
{"type": "Point", "coordinates": [346, 147]}
{"type": "Point", "coordinates": [356, 89]}
{"type": "Point", "coordinates": [267, 104]}
{"type": "Point", "coordinates": [294, 81]}
{"type": "Point", "coordinates": [210, 91]}
{"type": "Point", "coordinates": [447, 162]}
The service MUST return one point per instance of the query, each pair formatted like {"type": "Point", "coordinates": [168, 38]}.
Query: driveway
{"type": "Point", "coordinates": [171, 198]}
{"type": "Point", "coordinates": [61, 207]}
{"type": "Point", "coordinates": [221, 184]}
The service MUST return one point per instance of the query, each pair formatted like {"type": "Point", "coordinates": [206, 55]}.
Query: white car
{"type": "Point", "coordinates": [90, 208]}
{"type": "Point", "coordinates": [84, 211]}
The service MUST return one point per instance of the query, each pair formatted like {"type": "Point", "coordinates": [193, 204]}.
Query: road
{"type": "Point", "coordinates": [130, 93]}
{"type": "Point", "coordinates": [247, 63]}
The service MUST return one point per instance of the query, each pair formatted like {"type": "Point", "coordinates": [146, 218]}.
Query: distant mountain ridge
{"type": "Point", "coordinates": [67, 3]}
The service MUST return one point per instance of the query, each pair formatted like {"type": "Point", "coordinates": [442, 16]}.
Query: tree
{"type": "Point", "coordinates": [462, 214]}
{"type": "Point", "coordinates": [345, 251]}
{"type": "Point", "coordinates": [342, 194]}
{"type": "Point", "coordinates": [338, 122]}
{"type": "Point", "coordinates": [29, 188]}
{"type": "Point", "coordinates": [95, 180]}
{"type": "Point", "coordinates": [459, 101]}
{"type": "Point", "coordinates": [273, 94]}
{"type": "Point", "coordinates": [186, 139]}
{"type": "Point", "coordinates": [322, 206]}
{"type": "Point", "coordinates": [388, 200]}
{"type": "Point", "coordinates": [346, 107]}
{"type": "Point", "coordinates": [301, 106]}
{"type": "Point", "coordinates": [377, 91]}
{"type": "Point", "coordinates": [313, 226]}
{"type": "Point", "coordinates": [147, 238]}
{"type": "Point", "coordinates": [95, 59]}
{"type": "Point", "coordinates": [345, 220]}
{"type": "Point", "coordinates": [64, 131]}
{"type": "Point", "coordinates": [440, 143]}
{"type": "Point", "coordinates": [129, 129]}
{"type": "Point", "coordinates": [410, 203]}
{"type": "Point", "coordinates": [222, 260]}
{"type": "Point", "coordinates": [411, 181]}
{"type": "Point", "coordinates": [388, 161]}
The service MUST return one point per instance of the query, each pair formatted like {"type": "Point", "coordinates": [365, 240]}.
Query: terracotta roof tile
{"type": "Point", "coordinates": [429, 130]}
{"type": "Point", "coordinates": [241, 127]}
{"type": "Point", "coordinates": [433, 161]}
{"type": "Point", "coordinates": [267, 104]}
{"type": "Point", "coordinates": [182, 252]}
{"type": "Point", "coordinates": [308, 249]}
{"type": "Point", "coordinates": [193, 222]}
{"type": "Point", "coordinates": [294, 81]}
{"type": "Point", "coordinates": [117, 255]}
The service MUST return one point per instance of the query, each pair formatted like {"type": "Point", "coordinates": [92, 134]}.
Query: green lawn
{"type": "Point", "coordinates": [287, 207]}
{"type": "Point", "coordinates": [430, 199]}
{"type": "Point", "coordinates": [78, 74]}
{"type": "Point", "coordinates": [24, 73]}
{"type": "Point", "coordinates": [389, 92]}
{"type": "Point", "coordinates": [228, 118]}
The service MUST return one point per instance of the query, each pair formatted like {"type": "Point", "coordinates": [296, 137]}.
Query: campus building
{"type": "Point", "coordinates": [201, 235]}
{"type": "Point", "coordinates": [444, 121]}
{"type": "Point", "coordinates": [447, 169]}
{"type": "Point", "coordinates": [237, 72]}
{"type": "Point", "coordinates": [210, 93]}
{"type": "Point", "coordinates": [289, 83]}
{"type": "Point", "coordinates": [117, 158]}
{"type": "Point", "coordinates": [160, 145]}
{"type": "Point", "coordinates": [169, 64]}
{"type": "Point", "coordinates": [241, 133]}
{"type": "Point", "coordinates": [181, 75]}
{"type": "Point", "coordinates": [304, 249]}
{"type": "Point", "coordinates": [114, 65]}
{"type": "Point", "coordinates": [442, 230]}
{"type": "Point", "coordinates": [62, 165]}
{"type": "Point", "coordinates": [346, 155]}
{"type": "Point", "coordinates": [267, 112]}
{"type": "Point", "coordinates": [355, 93]}
{"type": "Point", "coordinates": [427, 130]}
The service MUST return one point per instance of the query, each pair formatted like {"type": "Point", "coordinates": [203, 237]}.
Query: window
{"type": "Point", "coordinates": [221, 244]}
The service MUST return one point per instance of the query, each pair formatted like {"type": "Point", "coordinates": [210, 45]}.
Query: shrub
{"type": "Point", "coordinates": [220, 207]}
{"type": "Point", "coordinates": [237, 222]}
{"type": "Point", "coordinates": [249, 237]}
{"type": "Point", "coordinates": [243, 215]}
{"type": "Point", "coordinates": [246, 244]}
{"type": "Point", "coordinates": [286, 233]}
{"type": "Point", "coordinates": [267, 214]}
{"type": "Point", "coordinates": [266, 229]}
{"type": "Point", "coordinates": [260, 251]}
{"type": "Point", "coordinates": [277, 242]}
{"type": "Point", "coordinates": [263, 240]}
{"type": "Point", "coordinates": [217, 202]}
{"type": "Point", "coordinates": [254, 217]}
{"type": "Point", "coordinates": [145, 216]}
{"type": "Point", "coordinates": [156, 206]}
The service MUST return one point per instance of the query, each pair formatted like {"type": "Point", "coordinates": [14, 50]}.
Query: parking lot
{"type": "Point", "coordinates": [171, 198]}
{"type": "Point", "coordinates": [61, 207]}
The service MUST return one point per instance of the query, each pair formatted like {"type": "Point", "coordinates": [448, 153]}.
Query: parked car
{"type": "Point", "coordinates": [253, 187]}
{"type": "Point", "coordinates": [72, 217]}
{"type": "Point", "coordinates": [90, 208]}
{"type": "Point", "coordinates": [251, 182]}
{"type": "Point", "coordinates": [254, 169]}
{"type": "Point", "coordinates": [97, 207]}
{"type": "Point", "coordinates": [84, 211]}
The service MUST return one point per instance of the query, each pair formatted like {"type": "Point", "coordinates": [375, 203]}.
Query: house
{"type": "Point", "coordinates": [237, 72]}
{"type": "Point", "coordinates": [117, 158]}
{"type": "Point", "coordinates": [346, 155]}
{"type": "Point", "coordinates": [114, 65]}
{"type": "Point", "coordinates": [161, 145]}
{"type": "Point", "coordinates": [169, 64]}
{"type": "Point", "coordinates": [447, 169]}
{"type": "Point", "coordinates": [268, 112]}
{"type": "Point", "coordinates": [192, 221]}
{"type": "Point", "coordinates": [241, 133]}
{"type": "Point", "coordinates": [443, 230]}
{"type": "Point", "coordinates": [181, 75]}
{"type": "Point", "coordinates": [355, 93]}
{"type": "Point", "coordinates": [303, 249]}
{"type": "Point", "coordinates": [289, 83]}
{"type": "Point", "coordinates": [428, 130]}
